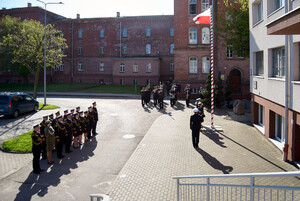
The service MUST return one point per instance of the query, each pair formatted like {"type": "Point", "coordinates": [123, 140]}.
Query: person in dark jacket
{"type": "Point", "coordinates": [86, 125]}
{"type": "Point", "coordinates": [37, 142]}
{"type": "Point", "coordinates": [69, 128]}
{"type": "Point", "coordinates": [42, 130]}
{"type": "Point", "coordinates": [195, 126]}
{"type": "Point", "coordinates": [95, 119]}
{"type": "Point", "coordinates": [91, 115]}
{"type": "Point", "coordinates": [60, 135]}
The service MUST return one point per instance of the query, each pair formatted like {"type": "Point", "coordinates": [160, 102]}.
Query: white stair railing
{"type": "Point", "coordinates": [253, 186]}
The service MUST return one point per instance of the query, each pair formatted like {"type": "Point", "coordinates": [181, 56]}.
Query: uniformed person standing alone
{"type": "Point", "coordinates": [95, 119]}
{"type": "Point", "coordinates": [36, 148]}
{"type": "Point", "coordinates": [195, 125]}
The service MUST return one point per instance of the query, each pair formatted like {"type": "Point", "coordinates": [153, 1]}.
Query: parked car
{"type": "Point", "coordinates": [16, 103]}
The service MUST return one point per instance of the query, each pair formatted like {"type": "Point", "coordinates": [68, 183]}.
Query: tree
{"type": "Point", "coordinates": [232, 25]}
{"type": "Point", "coordinates": [24, 41]}
{"type": "Point", "coordinates": [218, 91]}
{"type": "Point", "coordinates": [207, 92]}
{"type": "Point", "coordinates": [228, 93]}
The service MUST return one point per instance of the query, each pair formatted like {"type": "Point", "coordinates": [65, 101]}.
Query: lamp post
{"type": "Point", "coordinates": [45, 28]}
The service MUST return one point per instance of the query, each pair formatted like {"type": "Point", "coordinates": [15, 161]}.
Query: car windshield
{"type": "Point", "coordinates": [3, 100]}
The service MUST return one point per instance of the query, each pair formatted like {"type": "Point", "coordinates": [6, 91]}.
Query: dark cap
{"type": "Point", "coordinates": [66, 111]}
{"type": "Point", "coordinates": [59, 117]}
{"type": "Point", "coordinates": [80, 112]}
{"type": "Point", "coordinates": [51, 115]}
{"type": "Point", "coordinates": [57, 113]}
{"type": "Point", "coordinates": [86, 112]}
{"type": "Point", "coordinates": [48, 122]}
{"type": "Point", "coordinates": [94, 103]}
{"type": "Point", "coordinates": [90, 107]}
{"type": "Point", "coordinates": [35, 125]}
{"type": "Point", "coordinates": [75, 113]}
{"type": "Point", "coordinates": [72, 110]}
{"type": "Point", "coordinates": [78, 107]}
{"type": "Point", "coordinates": [69, 114]}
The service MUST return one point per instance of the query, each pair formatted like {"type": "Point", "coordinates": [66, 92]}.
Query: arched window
{"type": "Point", "coordinates": [235, 80]}
{"type": "Point", "coordinates": [193, 65]}
{"type": "Point", "coordinates": [205, 64]}
{"type": "Point", "coordinates": [193, 36]}
{"type": "Point", "coordinates": [205, 35]}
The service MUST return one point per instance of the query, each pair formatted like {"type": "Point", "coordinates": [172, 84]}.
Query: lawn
{"type": "Point", "coordinates": [74, 87]}
{"type": "Point", "coordinates": [47, 107]}
{"type": "Point", "coordinates": [22, 143]}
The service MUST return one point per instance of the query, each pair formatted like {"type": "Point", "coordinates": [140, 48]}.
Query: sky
{"type": "Point", "coordinates": [99, 8]}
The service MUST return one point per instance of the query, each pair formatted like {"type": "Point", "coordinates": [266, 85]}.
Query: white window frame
{"type": "Point", "coordinates": [171, 48]}
{"type": "Point", "coordinates": [259, 62]}
{"type": "Point", "coordinates": [80, 69]}
{"type": "Point", "coordinates": [102, 33]}
{"type": "Point", "coordinates": [192, 4]}
{"type": "Point", "coordinates": [148, 32]}
{"type": "Point", "coordinates": [101, 66]}
{"type": "Point", "coordinates": [122, 68]}
{"type": "Point", "coordinates": [135, 68]}
{"type": "Point", "coordinates": [148, 68]}
{"type": "Point", "coordinates": [80, 33]}
{"type": "Point", "coordinates": [277, 4]}
{"type": "Point", "coordinates": [148, 49]}
{"type": "Point", "coordinates": [101, 50]}
{"type": "Point", "coordinates": [171, 66]}
{"type": "Point", "coordinates": [62, 67]}
{"type": "Point", "coordinates": [55, 68]}
{"type": "Point", "coordinates": [278, 62]}
{"type": "Point", "coordinates": [193, 65]}
{"type": "Point", "coordinates": [193, 35]}
{"type": "Point", "coordinates": [229, 51]}
{"type": "Point", "coordinates": [171, 31]}
{"type": "Point", "coordinates": [79, 50]}
{"type": "Point", "coordinates": [124, 33]}
{"type": "Point", "coordinates": [124, 49]}
{"type": "Point", "coordinates": [204, 5]}
{"type": "Point", "coordinates": [206, 65]}
{"type": "Point", "coordinates": [122, 81]}
{"type": "Point", "coordinates": [205, 35]}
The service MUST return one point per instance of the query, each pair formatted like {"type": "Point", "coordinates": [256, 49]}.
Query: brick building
{"type": "Point", "coordinates": [143, 49]}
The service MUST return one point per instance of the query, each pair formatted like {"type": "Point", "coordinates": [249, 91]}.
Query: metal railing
{"type": "Point", "coordinates": [254, 186]}
{"type": "Point", "coordinates": [99, 197]}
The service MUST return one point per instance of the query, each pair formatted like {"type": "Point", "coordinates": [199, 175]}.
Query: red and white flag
{"type": "Point", "coordinates": [203, 18]}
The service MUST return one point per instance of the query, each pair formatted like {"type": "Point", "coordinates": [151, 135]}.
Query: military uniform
{"type": "Point", "coordinates": [60, 135]}
{"type": "Point", "coordinates": [91, 116]}
{"type": "Point", "coordinates": [36, 150]}
{"type": "Point", "coordinates": [44, 145]}
{"type": "Point", "coordinates": [69, 129]}
{"type": "Point", "coordinates": [95, 120]}
{"type": "Point", "coordinates": [195, 126]}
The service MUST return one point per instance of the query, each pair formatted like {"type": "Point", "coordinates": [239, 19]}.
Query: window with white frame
{"type": "Point", "coordinates": [204, 5]}
{"type": "Point", "coordinates": [279, 128]}
{"type": "Point", "coordinates": [122, 68]}
{"type": "Point", "coordinates": [135, 68]}
{"type": "Point", "coordinates": [277, 4]}
{"type": "Point", "coordinates": [205, 35]}
{"type": "Point", "coordinates": [101, 66]}
{"type": "Point", "coordinates": [259, 11]}
{"type": "Point", "coordinates": [278, 59]}
{"type": "Point", "coordinates": [124, 33]}
{"type": "Point", "coordinates": [172, 66]}
{"type": "Point", "coordinates": [101, 50]}
{"type": "Point", "coordinates": [148, 81]}
{"type": "Point", "coordinates": [172, 49]}
{"type": "Point", "coordinates": [80, 33]}
{"type": "Point", "coordinates": [148, 32]}
{"type": "Point", "coordinates": [80, 67]}
{"type": "Point", "coordinates": [193, 35]}
{"type": "Point", "coordinates": [192, 7]}
{"type": "Point", "coordinates": [205, 64]}
{"type": "Point", "coordinates": [55, 68]}
{"type": "Point", "coordinates": [171, 31]}
{"type": "Point", "coordinates": [102, 33]}
{"type": "Point", "coordinates": [148, 68]}
{"type": "Point", "coordinates": [124, 49]}
{"type": "Point", "coordinates": [62, 67]}
{"type": "Point", "coordinates": [193, 65]}
{"type": "Point", "coordinates": [148, 49]}
{"type": "Point", "coordinates": [122, 81]}
{"type": "Point", "coordinates": [259, 63]}
{"type": "Point", "coordinates": [261, 115]}
{"type": "Point", "coordinates": [80, 50]}
{"type": "Point", "coordinates": [229, 51]}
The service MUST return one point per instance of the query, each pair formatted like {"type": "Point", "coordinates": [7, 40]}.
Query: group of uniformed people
{"type": "Point", "coordinates": [62, 131]}
{"type": "Point", "coordinates": [158, 95]}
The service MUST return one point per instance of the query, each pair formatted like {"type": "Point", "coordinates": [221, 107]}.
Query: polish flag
{"type": "Point", "coordinates": [203, 18]}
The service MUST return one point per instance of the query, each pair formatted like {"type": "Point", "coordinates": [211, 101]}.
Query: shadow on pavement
{"type": "Point", "coordinates": [214, 136]}
{"type": "Point", "coordinates": [213, 162]}
{"type": "Point", "coordinates": [39, 183]}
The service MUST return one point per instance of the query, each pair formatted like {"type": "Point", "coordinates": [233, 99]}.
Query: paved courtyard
{"type": "Point", "coordinates": [136, 154]}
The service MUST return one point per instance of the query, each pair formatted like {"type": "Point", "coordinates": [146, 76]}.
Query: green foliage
{"type": "Point", "coordinates": [228, 92]}
{"type": "Point", "coordinates": [219, 95]}
{"type": "Point", "coordinates": [232, 25]}
{"type": "Point", "coordinates": [22, 143]}
{"type": "Point", "coordinates": [207, 92]}
{"type": "Point", "coordinates": [47, 107]}
{"type": "Point", "coordinates": [24, 41]}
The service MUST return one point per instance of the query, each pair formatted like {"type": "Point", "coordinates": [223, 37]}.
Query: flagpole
{"type": "Point", "coordinates": [212, 62]}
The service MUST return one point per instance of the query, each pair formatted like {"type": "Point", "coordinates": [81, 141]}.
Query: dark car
{"type": "Point", "coordinates": [15, 103]}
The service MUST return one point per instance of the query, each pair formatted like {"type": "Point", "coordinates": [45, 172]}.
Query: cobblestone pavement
{"type": "Point", "coordinates": [167, 151]}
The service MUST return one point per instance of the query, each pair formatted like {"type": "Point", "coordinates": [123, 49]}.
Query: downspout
{"type": "Point", "coordinates": [120, 39]}
{"type": "Point", "coordinates": [72, 52]}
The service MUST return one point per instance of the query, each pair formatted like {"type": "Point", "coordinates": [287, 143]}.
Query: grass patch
{"type": "Point", "coordinates": [115, 89]}
{"type": "Point", "coordinates": [22, 143]}
{"type": "Point", "coordinates": [47, 107]}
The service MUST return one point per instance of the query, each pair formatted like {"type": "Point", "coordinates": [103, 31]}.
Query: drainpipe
{"type": "Point", "coordinates": [72, 52]}
{"type": "Point", "coordinates": [120, 39]}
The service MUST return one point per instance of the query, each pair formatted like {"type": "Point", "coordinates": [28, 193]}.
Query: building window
{"type": "Point", "coordinates": [122, 81]}
{"type": "Point", "coordinates": [124, 33]}
{"type": "Point", "coordinates": [148, 81]}
{"type": "Point", "coordinates": [193, 7]}
{"type": "Point", "coordinates": [278, 4]}
{"type": "Point", "coordinates": [62, 67]}
{"type": "Point", "coordinates": [122, 68]}
{"type": "Point", "coordinates": [55, 68]}
{"type": "Point", "coordinates": [261, 115]}
{"type": "Point", "coordinates": [61, 80]}
{"type": "Point", "coordinates": [148, 68]}
{"type": "Point", "coordinates": [193, 36]}
{"type": "Point", "coordinates": [102, 33]}
{"type": "Point", "coordinates": [205, 35]}
{"type": "Point", "coordinates": [172, 31]}
{"type": "Point", "coordinates": [80, 50]}
{"type": "Point", "coordinates": [172, 67]}
{"type": "Point", "coordinates": [193, 67]}
{"type": "Point", "coordinates": [204, 5]}
{"type": "Point", "coordinates": [278, 60]}
{"type": "Point", "coordinates": [101, 66]}
{"type": "Point", "coordinates": [80, 67]}
{"type": "Point", "coordinates": [259, 63]}
{"type": "Point", "coordinates": [101, 50]}
{"type": "Point", "coordinates": [80, 33]}
{"type": "Point", "coordinates": [172, 49]}
{"type": "Point", "coordinates": [259, 11]}
{"type": "Point", "coordinates": [229, 51]}
{"type": "Point", "coordinates": [148, 32]}
{"type": "Point", "coordinates": [279, 128]}
{"type": "Point", "coordinates": [205, 64]}
{"type": "Point", "coordinates": [148, 49]}
{"type": "Point", "coordinates": [135, 68]}
{"type": "Point", "coordinates": [63, 51]}
{"type": "Point", "coordinates": [135, 81]}
{"type": "Point", "coordinates": [124, 49]}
